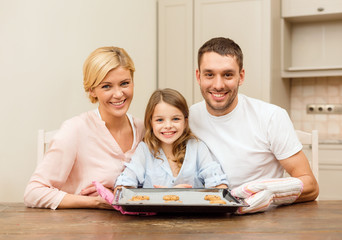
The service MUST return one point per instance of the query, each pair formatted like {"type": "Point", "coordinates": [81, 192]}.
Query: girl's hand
{"type": "Point", "coordinates": [177, 186]}
{"type": "Point", "coordinates": [183, 186]}
{"type": "Point", "coordinates": [221, 186]}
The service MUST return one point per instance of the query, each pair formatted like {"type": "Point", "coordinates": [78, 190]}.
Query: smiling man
{"type": "Point", "coordinates": [253, 140]}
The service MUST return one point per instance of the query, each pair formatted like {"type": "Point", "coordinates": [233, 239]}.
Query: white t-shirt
{"type": "Point", "coordinates": [249, 141]}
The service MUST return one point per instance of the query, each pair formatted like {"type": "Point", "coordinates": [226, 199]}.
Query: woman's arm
{"type": "Point", "coordinates": [43, 189]}
{"type": "Point", "coordinates": [79, 201]}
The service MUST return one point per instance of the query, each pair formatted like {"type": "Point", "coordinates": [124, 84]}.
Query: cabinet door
{"type": "Point", "coordinates": [293, 8]}
{"type": "Point", "coordinates": [175, 46]}
{"type": "Point", "coordinates": [247, 23]}
{"type": "Point", "coordinates": [311, 38]}
{"type": "Point", "coordinates": [330, 172]}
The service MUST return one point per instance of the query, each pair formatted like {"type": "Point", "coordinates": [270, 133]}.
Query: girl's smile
{"type": "Point", "coordinates": [168, 123]}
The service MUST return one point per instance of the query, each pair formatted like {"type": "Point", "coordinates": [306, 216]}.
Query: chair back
{"type": "Point", "coordinates": [43, 141]}
{"type": "Point", "coordinates": [310, 148]}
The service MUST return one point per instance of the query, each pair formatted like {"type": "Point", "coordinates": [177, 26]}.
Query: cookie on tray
{"type": "Point", "coordinates": [217, 202]}
{"type": "Point", "coordinates": [140, 198]}
{"type": "Point", "coordinates": [212, 197]}
{"type": "Point", "coordinates": [171, 198]}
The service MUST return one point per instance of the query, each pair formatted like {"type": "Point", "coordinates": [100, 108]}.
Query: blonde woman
{"type": "Point", "coordinates": [93, 146]}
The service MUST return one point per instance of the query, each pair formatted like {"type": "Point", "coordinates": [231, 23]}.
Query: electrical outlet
{"type": "Point", "coordinates": [324, 108]}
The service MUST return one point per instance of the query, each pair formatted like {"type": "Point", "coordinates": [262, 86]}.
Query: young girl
{"type": "Point", "coordinates": [170, 155]}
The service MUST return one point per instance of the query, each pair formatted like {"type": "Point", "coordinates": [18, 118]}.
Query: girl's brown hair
{"type": "Point", "coordinates": [174, 98]}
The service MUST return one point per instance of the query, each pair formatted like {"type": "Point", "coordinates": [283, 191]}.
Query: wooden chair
{"type": "Point", "coordinates": [44, 138]}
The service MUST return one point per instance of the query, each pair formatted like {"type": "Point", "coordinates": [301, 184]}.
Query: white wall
{"type": "Point", "coordinates": [43, 44]}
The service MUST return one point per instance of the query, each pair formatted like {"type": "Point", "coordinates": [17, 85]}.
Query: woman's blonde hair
{"type": "Point", "coordinates": [100, 62]}
{"type": "Point", "coordinates": [174, 98]}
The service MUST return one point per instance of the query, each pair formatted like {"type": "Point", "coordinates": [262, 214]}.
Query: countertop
{"type": "Point", "coordinates": [312, 220]}
{"type": "Point", "coordinates": [330, 141]}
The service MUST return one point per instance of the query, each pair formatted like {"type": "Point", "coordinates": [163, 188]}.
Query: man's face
{"type": "Point", "coordinates": [219, 79]}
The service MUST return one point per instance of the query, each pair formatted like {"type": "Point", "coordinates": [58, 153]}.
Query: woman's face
{"type": "Point", "coordinates": [114, 93]}
{"type": "Point", "coordinates": [168, 123]}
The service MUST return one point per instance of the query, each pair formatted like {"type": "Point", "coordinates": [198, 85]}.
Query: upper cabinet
{"type": "Point", "coordinates": [311, 38]}
{"type": "Point", "coordinates": [312, 9]}
{"type": "Point", "coordinates": [184, 25]}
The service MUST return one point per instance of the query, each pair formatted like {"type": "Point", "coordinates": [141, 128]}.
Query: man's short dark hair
{"type": "Point", "coordinates": [222, 46]}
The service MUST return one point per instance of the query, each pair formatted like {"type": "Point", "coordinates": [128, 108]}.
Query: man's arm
{"type": "Point", "coordinates": [298, 166]}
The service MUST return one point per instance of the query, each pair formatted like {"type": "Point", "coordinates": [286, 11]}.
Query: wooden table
{"type": "Point", "coordinates": [309, 221]}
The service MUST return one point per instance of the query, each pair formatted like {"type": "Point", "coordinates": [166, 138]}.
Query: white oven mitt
{"type": "Point", "coordinates": [263, 195]}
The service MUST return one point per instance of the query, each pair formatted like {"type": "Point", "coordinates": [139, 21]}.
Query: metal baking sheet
{"type": "Point", "coordinates": [190, 200]}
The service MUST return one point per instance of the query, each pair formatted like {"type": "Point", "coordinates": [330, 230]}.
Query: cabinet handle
{"type": "Point", "coordinates": [320, 9]}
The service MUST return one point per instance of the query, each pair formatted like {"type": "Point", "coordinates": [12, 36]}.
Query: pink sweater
{"type": "Point", "coordinates": [82, 151]}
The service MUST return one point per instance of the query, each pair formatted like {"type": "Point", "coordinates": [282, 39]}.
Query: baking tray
{"type": "Point", "coordinates": [190, 200]}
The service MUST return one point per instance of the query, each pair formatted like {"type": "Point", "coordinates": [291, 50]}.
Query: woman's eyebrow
{"type": "Point", "coordinates": [103, 83]}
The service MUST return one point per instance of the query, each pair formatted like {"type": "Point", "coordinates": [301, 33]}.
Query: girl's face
{"type": "Point", "coordinates": [114, 93]}
{"type": "Point", "coordinates": [168, 123]}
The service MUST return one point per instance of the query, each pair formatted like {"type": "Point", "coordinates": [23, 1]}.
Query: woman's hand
{"type": "Point", "coordinates": [91, 191]}
{"type": "Point", "coordinates": [89, 198]}
{"type": "Point", "coordinates": [79, 201]}
{"type": "Point", "coordinates": [102, 203]}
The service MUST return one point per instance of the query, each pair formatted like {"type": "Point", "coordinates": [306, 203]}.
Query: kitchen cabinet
{"type": "Point", "coordinates": [184, 25]}
{"type": "Point", "coordinates": [175, 47]}
{"type": "Point", "coordinates": [311, 9]}
{"type": "Point", "coordinates": [330, 171]}
{"type": "Point", "coordinates": [311, 38]}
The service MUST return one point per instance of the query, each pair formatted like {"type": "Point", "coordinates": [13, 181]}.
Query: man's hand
{"type": "Point", "coordinates": [263, 195]}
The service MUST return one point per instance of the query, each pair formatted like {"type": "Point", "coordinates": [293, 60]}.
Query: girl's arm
{"type": "Point", "coordinates": [210, 170]}
{"type": "Point", "coordinates": [134, 173]}
{"type": "Point", "coordinates": [177, 186]}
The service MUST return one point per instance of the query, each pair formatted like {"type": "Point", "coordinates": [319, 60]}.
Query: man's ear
{"type": "Point", "coordinates": [198, 75]}
{"type": "Point", "coordinates": [186, 123]}
{"type": "Point", "coordinates": [242, 76]}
